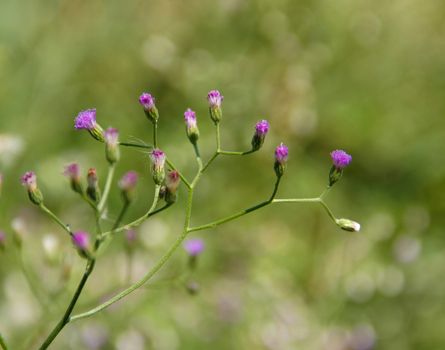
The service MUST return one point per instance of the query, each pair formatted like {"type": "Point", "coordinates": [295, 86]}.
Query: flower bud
{"type": "Point", "coordinates": [157, 158]}
{"type": "Point", "coordinates": [81, 241]}
{"type": "Point", "coordinates": [148, 102]}
{"type": "Point", "coordinates": [127, 185]}
{"type": "Point", "coordinates": [348, 225]}
{"type": "Point", "coordinates": [93, 190]}
{"type": "Point", "coordinates": [191, 126]}
{"type": "Point", "coordinates": [215, 99]}
{"type": "Point", "coordinates": [2, 240]}
{"type": "Point", "coordinates": [172, 182]}
{"type": "Point", "coordinates": [72, 171]}
{"type": "Point", "coordinates": [194, 247]}
{"type": "Point", "coordinates": [29, 180]}
{"type": "Point", "coordinates": [111, 136]}
{"type": "Point", "coordinates": [87, 120]}
{"type": "Point", "coordinates": [261, 129]}
{"type": "Point", "coordinates": [340, 160]}
{"type": "Point", "coordinates": [281, 154]}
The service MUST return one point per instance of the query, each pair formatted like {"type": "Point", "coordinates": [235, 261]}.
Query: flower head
{"type": "Point", "coordinates": [262, 127]}
{"type": "Point", "coordinates": [128, 181]}
{"type": "Point", "coordinates": [340, 159]}
{"type": "Point", "coordinates": [81, 240]}
{"type": "Point", "coordinates": [86, 119]}
{"type": "Point", "coordinates": [281, 153]}
{"type": "Point", "coordinates": [147, 101]}
{"type": "Point", "coordinates": [29, 180]}
{"type": "Point", "coordinates": [190, 118]}
{"type": "Point", "coordinates": [111, 136]}
{"type": "Point", "coordinates": [215, 98]}
{"type": "Point", "coordinates": [157, 158]}
{"type": "Point", "coordinates": [72, 171]}
{"type": "Point", "coordinates": [194, 246]}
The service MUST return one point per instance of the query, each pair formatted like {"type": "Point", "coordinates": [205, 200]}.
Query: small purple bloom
{"type": "Point", "coordinates": [340, 159]}
{"type": "Point", "coordinates": [190, 118]}
{"type": "Point", "coordinates": [128, 181]}
{"type": "Point", "coordinates": [111, 136]}
{"type": "Point", "coordinates": [130, 235]}
{"type": "Point", "coordinates": [262, 127]}
{"type": "Point", "coordinates": [147, 101]}
{"type": "Point", "coordinates": [157, 158]}
{"type": "Point", "coordinates": [72, 171]}
{"type": "Point", "coordinates": [281, 153]}
{"type": "Point", "coordinates": [86, 120]}
{"type": "Point", "coordinates": [215, 98]}
{"type": "Point", "coordinates": [81, 240]}
{"type": "Point", "coordinates": [194, 246]}
{"type": "Point", "coordinates": [29, 179]}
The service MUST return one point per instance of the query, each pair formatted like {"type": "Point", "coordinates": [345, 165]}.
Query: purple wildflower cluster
{"type": "Point", "coordinates": [128, 181]}
{"type": "Point", "coordinates": [147, 101]}
{"type": "Point", "coordinates": [29, 180]}
{"type": "Point", "coordinates": [262, 127]}
{"type": "Point", "coordinates": [281, 153]}
{"type": "Point", "coordinates": [215, 99]}
{"type": "Point", "coordinates": [190, 118]}
{"type": "Point", "coordinates": [81, 240]}
{"type": "Point", "coordinates": [194, 246]}
{"type": "Point", "coordinates": [340, 159]}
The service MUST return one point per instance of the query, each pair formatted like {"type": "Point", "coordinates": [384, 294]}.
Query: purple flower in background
{"type": "Point", "coordinates": [128, 181]}
{"type": "Point", "coordinates": [194, 246]}
{"type": "Point", "coordinates": [81, 240]}
{"type": "Point", "coordinates": [281, 153]}
{"type": "Point", "coordinates": [86, 120]}
{"type": "Point", "coordinates": [147, 101]}
{"type": "Point", "coordinates": [340, 159]}
{"type": "Point", "coordinates": [190, 118]}
{"type": "Point", "coordinates": [29, 180]}
{"type": "Point", "coordinates": [262, 127]}
{"type": "Point", "coordinates": [215, 99]}
{"type": "Point", "coordinates": [130, 235]}
{"type": "Point", "coordinates": [72, 171]}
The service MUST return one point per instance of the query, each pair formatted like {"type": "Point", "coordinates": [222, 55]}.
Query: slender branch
{"type": "Point", "coordinates": [310, 200]}
{"type": "Point", "coordinates": [103, 200]}
{"type": "Point", "coordinates": [198, 155]}
{"type": "Point", "coordinates": [56, 218]}
{"type": "Point", "coordinates": [238, 214]}
{"type": "Point", "coordinates": [66, 317]}
{"type": "Point", "coordinates": [135, 144]}
{"type": "Point", "coordinates": [155, 134]}
{"type": "Point", "coordinates": [3, 343]}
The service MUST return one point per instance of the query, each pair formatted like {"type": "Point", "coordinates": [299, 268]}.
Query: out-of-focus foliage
{"type": "Point", "coordinates": [365, 76]}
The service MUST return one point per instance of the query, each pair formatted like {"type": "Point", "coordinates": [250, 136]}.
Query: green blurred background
{"type": "Point", "coordinates": [365, 76]}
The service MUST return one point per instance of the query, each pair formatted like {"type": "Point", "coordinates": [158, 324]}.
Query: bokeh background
{"type": "Point", "coordinates": [365, 76]}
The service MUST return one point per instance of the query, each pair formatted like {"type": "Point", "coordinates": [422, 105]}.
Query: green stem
{"type": "Point", "coordinates": [3, 343]}
{"type": "Point", "coordinates": [136, 145]}
{"type": "Point", "coordinates": [66, 317]}
{"type": "Point", "coordinates": [310, 200]}
{"type": "Point", "coordinates": [103, 200]}
{"type": "Point", "coordinates": [198, 155]}
{"type": "Point", "coordinates": [135, 286]}
{"type": "Point", "coordinates": [155, 134]}
{"type": "Point", "coordinates": [56, 218]}
{"type": "Point", "coordinates": [239, 214]}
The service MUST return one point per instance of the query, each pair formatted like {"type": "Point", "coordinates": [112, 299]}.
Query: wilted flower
{"type": "Point", "coordinates": [281, 154]}
{"type": "Point", "coordinates": [93, 190]}
{"type": "Point", "coordinates": [148, 102]}
{"type": "Point", "coordinates": [72, 171]}
{"type": "Point", "coordinates": [157, 158]}
{"type": "Point", "coordinates": [127, 184]}
{"type": "Point", "coordinates": [87, 120]}
{"type": "Point", "coordinates": [29, 180]}
{"type": "Point", "coordinates": [215, 99]}
{"type": "Point", "coordinates": [261, 130]}
{"type": "Point", "coordinates": [172, 182]}
{"type": "Point", "coordinates": [111, 136]}
{"type": "Point", "coordinates": [191, 126]}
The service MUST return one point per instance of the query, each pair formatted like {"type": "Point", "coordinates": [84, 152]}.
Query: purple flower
{"type": "Point", "coordinates": [111, 136]}
{"type": "Point", "coordinates": [128, 181]}
{"type": "Point", "coordinates": [281, 153]}
{"type": "Point", "coordinates": [72, 171]}
{"type": "Point", "coordinates": [29, 180]}
{"type": "Point", "coordinates": [86, 120]}
{"type": "Point", "coordinates": [194, 246]}
{"type": "Point", "coordinates": [157, 158]}
{"type": "Point", "coordinates": [130, 235]}
{"type": "Point", "coordinates": [215, 99]}
{"type": "Point", "coordinates": [190, 118]}
{"type": "Point", "coordinates": [340, 158]}
{"type": "Point", "coordinates": [262, 127]}
{"type": "Point", "coordinates": [81, 240]}
{"type": "Point", "coordinates": [147, 101]}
